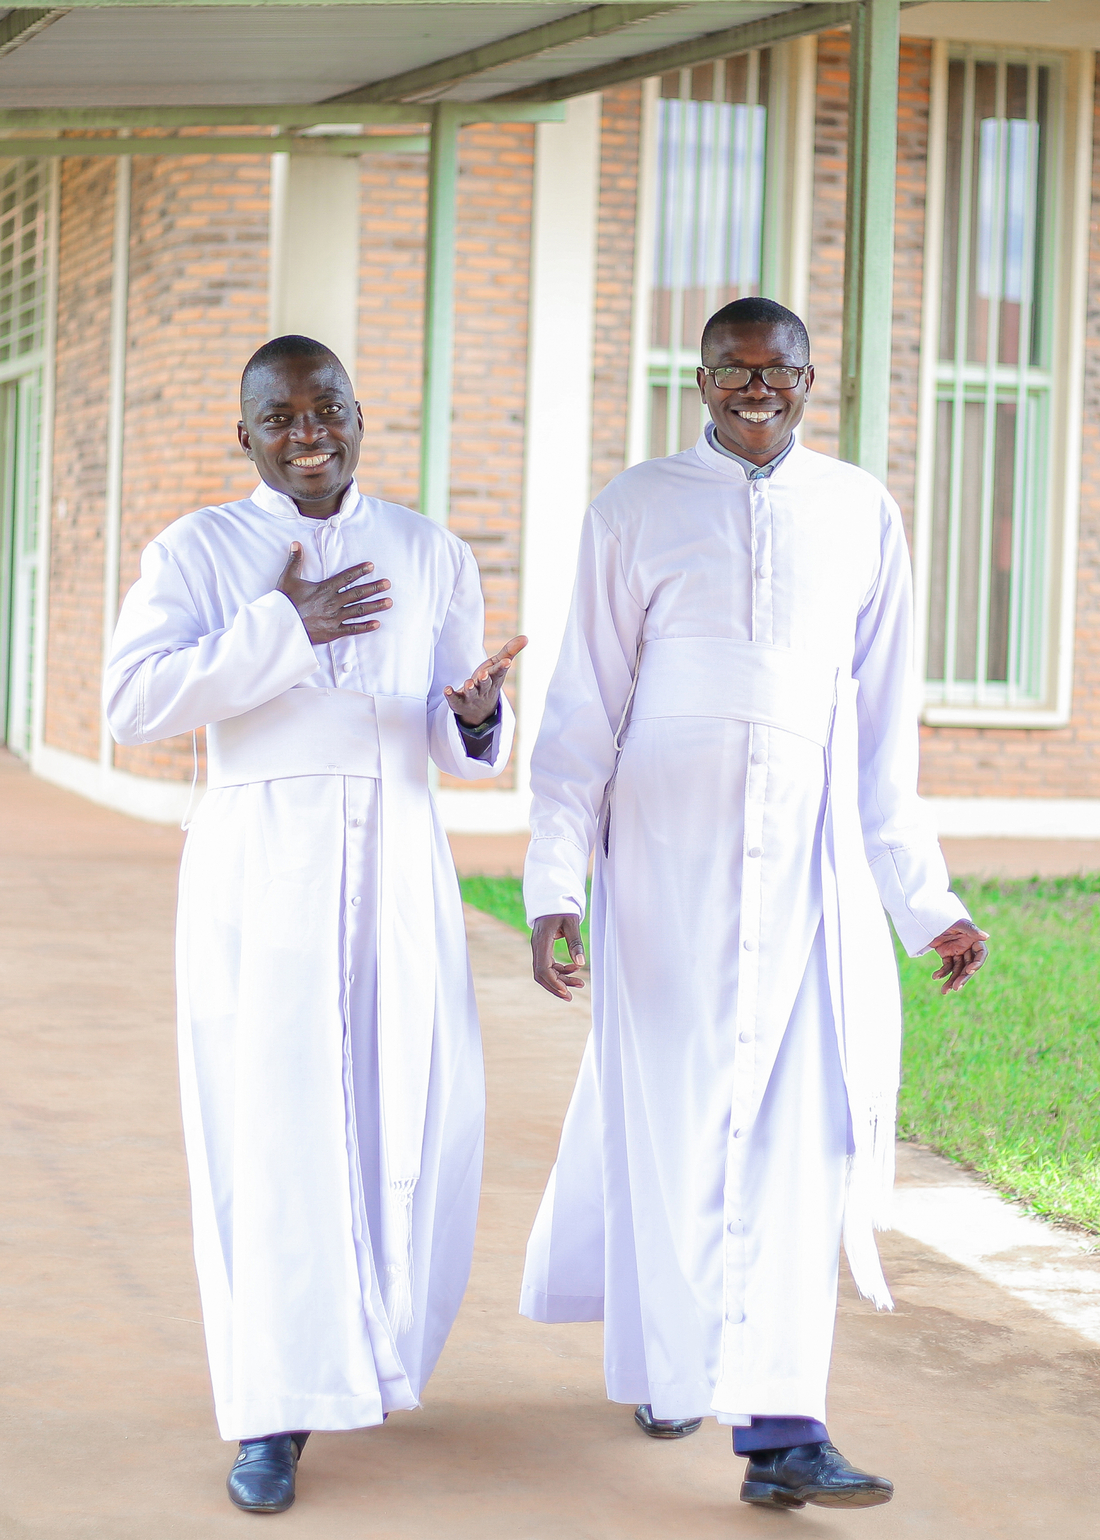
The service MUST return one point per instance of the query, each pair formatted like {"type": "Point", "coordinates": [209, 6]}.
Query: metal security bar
{"type": "Point", "coordinates": [991, 517]}
{"type": "Point", "coordinates": [711, 141]}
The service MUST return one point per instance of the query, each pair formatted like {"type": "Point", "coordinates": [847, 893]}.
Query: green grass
{"type": "Point", "coordinates": [503, 897]}
{"type": "Point", "coordinates": [1005, 1076]}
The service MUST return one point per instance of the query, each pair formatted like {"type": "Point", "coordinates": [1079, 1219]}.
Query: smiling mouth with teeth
{"type": "Point", "coordinates": [308, 462]}
{"type": "Point", "coordinates": [758, 416]}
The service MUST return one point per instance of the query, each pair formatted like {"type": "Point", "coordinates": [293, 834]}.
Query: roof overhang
{"type": "Point", "coordinates": [89, 65]}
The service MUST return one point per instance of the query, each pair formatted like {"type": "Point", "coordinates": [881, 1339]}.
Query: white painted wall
{"type": "Point", "coordinates": [314, 277]}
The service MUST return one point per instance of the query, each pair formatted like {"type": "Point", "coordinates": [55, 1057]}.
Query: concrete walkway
{"type": "Point", "coordinates": [984, 1411]}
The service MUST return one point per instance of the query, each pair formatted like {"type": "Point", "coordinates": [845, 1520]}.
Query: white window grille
{"type": "Point", "coordinates": [708, 226]}
{"type": "Point", "coordinates": [1002, 368]}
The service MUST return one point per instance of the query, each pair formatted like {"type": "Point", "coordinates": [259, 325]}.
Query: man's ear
{"type": "Point", "coordinates": [242, 438]}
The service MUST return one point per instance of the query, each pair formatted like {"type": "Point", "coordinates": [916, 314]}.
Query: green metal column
{"type": "Point", "coordinates": [439, 325]}
{"type": "Point", "coordinates": [869, 247]}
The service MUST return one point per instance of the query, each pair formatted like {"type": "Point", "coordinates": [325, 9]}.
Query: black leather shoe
{"type": "Point", "coordinates": [262, 1478]}
{"type": "Point", "coordinates": [811, 1473]}
{"type": "Point", "coordinates": [657, 1429]}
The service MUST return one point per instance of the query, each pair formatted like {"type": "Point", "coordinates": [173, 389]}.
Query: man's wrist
{"type": "Point", "coordinates": [481, 729]}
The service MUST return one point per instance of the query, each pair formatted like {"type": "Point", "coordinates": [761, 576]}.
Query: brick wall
{"type": "Point", "coordinates": [391, 311]}
{"type": "Point", "coordinates": [826, 287]}
{"type": "Point", "coordinates": [74, 652]}
{"type": "Point", "coordinates": [492, 266]}
{"type": "Point", "coordinates": [826, 300]}
{"type": "Point", "coordinates": [1039, 762]}
{"type": "Point", "coordinates": [914, 86]}
{"type": "Point", "coordinates": [197, 309]}
{"type": "Point", "coordinates": [620, 131]}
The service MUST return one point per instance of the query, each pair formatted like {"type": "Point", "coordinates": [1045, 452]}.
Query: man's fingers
{"type": "Point", "coordinates": [293, 562]}
{"type": "Point", "coordinates": [511, 649]}
{"type": "Point", "coordinates": [348, 629]}
{"type": "Point", "coordinates": [571, 931]}
{"type": "Point", "coordinates": [549, 980]}
{"type": "Point", "coordinates": [368, 607]}
{"type": "Point", "coordinates": [364, 591]}
{"type": "Point", "coordinates": [342, 580]}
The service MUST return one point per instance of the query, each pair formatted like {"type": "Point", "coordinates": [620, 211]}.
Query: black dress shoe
{"type": "Point", "coordinates": [678, 1428]}
{"type": "Point", "coordinates": [811, 1473]}
{"type": "Point", "coordinates": [262, 1478]}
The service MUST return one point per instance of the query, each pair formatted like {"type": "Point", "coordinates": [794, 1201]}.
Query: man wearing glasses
{"type": "Point", "coordinates": [732, 729]}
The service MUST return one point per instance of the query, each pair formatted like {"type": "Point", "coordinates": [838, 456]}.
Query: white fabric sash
{"type": "Point", "coordinates": [800, 693]}
{"type": "Point", "coordinates": [305, 731]}
{"type": "Point", "coordinates": [707, 676]}
{"type": "Point", "coordinates": [315, 731]}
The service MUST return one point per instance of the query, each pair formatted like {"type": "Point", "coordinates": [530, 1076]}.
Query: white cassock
{"type": "Point", "coordinates": [330, 1057]}
{"type": "Point", "coordinates": [736, 1102]}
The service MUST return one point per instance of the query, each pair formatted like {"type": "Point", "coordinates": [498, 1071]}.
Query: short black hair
{"type": "Point", "coordinates": [754, 310]}
{"type": "Point", "coordinates": [291, 346]}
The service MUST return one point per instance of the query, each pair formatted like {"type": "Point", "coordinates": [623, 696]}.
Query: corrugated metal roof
{"type": "Point", "coordinates": [226, 55]}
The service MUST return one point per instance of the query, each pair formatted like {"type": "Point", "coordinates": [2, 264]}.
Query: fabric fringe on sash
{"type": "Point", "coordinates": [867, 1204]}
{"type": "Point", "coordinates": [397, 1289]}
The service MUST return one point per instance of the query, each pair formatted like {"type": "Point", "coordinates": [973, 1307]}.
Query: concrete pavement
{"type": "Point", "coordinates": [983, 1410]}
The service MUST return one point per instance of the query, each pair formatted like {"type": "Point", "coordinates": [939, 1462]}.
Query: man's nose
{"type": "Point", "coordinates": [755, 388]}
{"type": "Point", "coordinates": [306, 429]}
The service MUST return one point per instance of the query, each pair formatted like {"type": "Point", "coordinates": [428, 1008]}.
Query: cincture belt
{"type": "Point", "coordinates": [314, 731]}
{"type": "Point", "coordinates": [709, 676]}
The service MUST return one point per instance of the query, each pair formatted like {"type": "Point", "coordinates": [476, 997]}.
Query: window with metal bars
{"type": "Point", "coordinates": [25, 200]}
{"type": "Point", "coordinates": [708, 233]}
{"type": "Point", "coordinates": [991, 487]}
{"type": "Point", "coordinates": [24, 205]}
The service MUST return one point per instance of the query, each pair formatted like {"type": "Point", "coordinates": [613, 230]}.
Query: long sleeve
{"type": "Point", "coordinates": [898, 833]}
{"type": "Point", "coordinates": [458, 651]}
{"type": "Point", "coordinates": [169, 673]}
{"type": "Point", "coordinates": [574, 755]}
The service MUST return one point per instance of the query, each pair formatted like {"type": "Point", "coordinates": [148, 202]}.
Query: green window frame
{"type": "Point", "coordinates": [997, 476]}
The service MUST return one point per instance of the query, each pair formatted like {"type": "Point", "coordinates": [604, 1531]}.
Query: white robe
{"type": "Point", "coordinates": [330, 1057]}
{"type": "Point", "coordinates": [736, 1102]}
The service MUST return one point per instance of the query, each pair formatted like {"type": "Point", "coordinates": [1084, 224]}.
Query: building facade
{"type": "Point", "coordinates": [589, 252]}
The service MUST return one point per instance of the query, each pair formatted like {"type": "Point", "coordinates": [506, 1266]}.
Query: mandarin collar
{"type": "Point", "coordinates": [726, 466]}
{"type": "Point", "coordinates": [284, 507]}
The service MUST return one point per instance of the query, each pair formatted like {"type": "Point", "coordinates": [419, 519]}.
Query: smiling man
{"type": "Point", "coordinates": [330, 1062]}
{"type": "Point", "coordinates": [732, 729]}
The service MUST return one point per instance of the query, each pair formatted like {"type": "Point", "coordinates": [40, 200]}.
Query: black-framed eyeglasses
{"type": "Point", "coordinates": [775, 376]}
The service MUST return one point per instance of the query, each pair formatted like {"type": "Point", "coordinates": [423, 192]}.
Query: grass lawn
{"type": "Point", "coordinates": [1004, 1077]}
